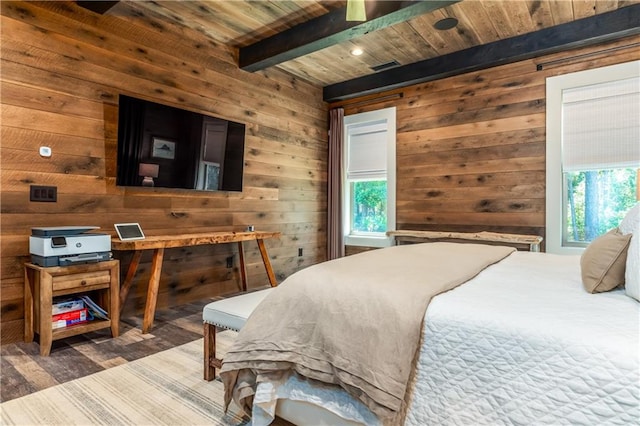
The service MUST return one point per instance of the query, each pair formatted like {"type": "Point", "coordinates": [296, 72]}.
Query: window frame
{"type": "Point", "coordinates": [387, 115]}
{"type": "Point", "coordinates": [555, 179]}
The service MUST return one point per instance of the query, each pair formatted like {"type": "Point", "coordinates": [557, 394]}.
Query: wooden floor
{"type": "Point", "coordinates": [24, 371]}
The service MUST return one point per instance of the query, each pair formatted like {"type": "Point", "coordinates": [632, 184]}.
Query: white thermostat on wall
{"type": "Point", "coordinates": [45, 151]}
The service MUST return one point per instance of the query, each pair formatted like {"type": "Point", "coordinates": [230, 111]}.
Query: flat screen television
{"type": "Point", "coordinates": [168, 147]}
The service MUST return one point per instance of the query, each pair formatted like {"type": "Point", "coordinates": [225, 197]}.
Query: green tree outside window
{"type": "Point", "coordinates": [597, 201]}
{"type": "Point", "coordinates": [369, 206]}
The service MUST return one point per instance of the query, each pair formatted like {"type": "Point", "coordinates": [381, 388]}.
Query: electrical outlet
{"type": "Point", "coordinates": [47, 194]}
{"type": "Point", "coordinates": [300, 252]}
{"type": "Point", "coordinates": [230, 262]}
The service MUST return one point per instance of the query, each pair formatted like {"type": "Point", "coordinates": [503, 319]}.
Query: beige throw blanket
{"type": "Point", "coordinates": [353, 321]}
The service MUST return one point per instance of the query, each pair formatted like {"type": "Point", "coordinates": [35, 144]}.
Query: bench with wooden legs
{"type": "Point", "coordinates": [516, 240]}
{"type": "Point", "coordinates": [230, 314]}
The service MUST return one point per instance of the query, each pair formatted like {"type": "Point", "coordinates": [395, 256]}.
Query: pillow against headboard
{"type": "Point", "coordinates": [603, 262]}
{"type": "Point", "coordinates": [631, 225]}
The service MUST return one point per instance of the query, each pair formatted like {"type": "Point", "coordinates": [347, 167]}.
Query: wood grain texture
{"type": "Point", "coordinates": [62, 70]}
{"type": "Point", "coordinates": [24, 371]}
{"type": "Point", "coordinates": [470, 149]}
{"type": "Point", "coordinates": [189, 240]}
{"type": "Point", "coordinates": [474, 236]}
{"type": "Point", "coordinates": [228, 26]}
{"type": "Point", "coordinates": [159, 243]}
{"type": "Point", "coordinates": [100, 280]}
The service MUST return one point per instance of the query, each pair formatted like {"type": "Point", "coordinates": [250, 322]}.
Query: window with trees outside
{"type": "Point", "coordinates": [593, 153]}
{"type": "Point", "coordinates": [369, 177]}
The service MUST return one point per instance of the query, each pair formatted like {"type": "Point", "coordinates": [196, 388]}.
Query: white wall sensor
{"type": "Point", "coordinates": [45, 151]}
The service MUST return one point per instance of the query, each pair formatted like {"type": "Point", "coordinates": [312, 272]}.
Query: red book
{"type": "Point", "coordinates": [69, 318]}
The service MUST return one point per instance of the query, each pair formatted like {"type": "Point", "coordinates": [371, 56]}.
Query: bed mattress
{"type": "Point", "coordinates": [521, 343]}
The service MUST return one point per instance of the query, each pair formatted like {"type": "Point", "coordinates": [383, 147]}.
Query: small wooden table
{"type": "Point", "coordinates": [42, 284]}
{"type": "Point", "coordinates": [416, 236]}
{"type": "Point", "coordinates": [158, 243]}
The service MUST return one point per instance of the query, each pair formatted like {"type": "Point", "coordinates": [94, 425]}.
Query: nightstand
{"type": "Point", "coordinates": [41, 285]}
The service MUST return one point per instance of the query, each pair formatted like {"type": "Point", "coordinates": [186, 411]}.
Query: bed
{"type": "Point", "coordinates": [521, 342]}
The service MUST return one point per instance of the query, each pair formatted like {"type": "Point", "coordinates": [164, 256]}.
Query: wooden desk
{"type": "Point", "coordinates": [419, 236]}
{"type": "Point", "coordinates": [158, 243]}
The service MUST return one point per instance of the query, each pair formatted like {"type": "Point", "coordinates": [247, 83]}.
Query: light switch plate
{"type": "Point", "coordinates": [47, 194]}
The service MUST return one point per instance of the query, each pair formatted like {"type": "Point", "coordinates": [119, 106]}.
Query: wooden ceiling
{"type": "Point", "coordinates": [242, 24]}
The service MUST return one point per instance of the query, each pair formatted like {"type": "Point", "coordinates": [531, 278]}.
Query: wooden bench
{"type": "Point", "coordinates": [230, 314]}
{"type": "Point", "coordinates": [516, 240]}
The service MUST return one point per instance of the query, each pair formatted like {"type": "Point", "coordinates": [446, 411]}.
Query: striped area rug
{"type": "Point", "coordinates": [166, 388]}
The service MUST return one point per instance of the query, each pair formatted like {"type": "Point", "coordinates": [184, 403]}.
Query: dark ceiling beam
{"type": "Point", "coordinates": [328, 30]}
{"type": "Point", "coordinates": [580, 33]}
{"type": "Point", "coordinates": [100, 7]}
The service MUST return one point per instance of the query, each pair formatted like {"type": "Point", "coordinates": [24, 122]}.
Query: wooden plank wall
{"type": "Point", "coordinates": [471, 148]}
{"type": "Point", "coordinates": [62, 70]}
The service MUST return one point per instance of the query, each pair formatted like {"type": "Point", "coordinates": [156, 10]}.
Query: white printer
{"type": "Point", "coordinates": [68, 245]}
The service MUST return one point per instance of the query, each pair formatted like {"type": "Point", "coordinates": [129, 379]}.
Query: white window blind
{"type": "Point", "coordinates": [367, 152]}
{"type": "Point", "coordinates": [601, 126]}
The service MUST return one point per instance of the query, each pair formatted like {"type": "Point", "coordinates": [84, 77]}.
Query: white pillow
{"type": "Point", "coordinates": [631, 225]}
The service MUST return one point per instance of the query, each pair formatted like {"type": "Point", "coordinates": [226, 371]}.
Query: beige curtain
{"type": "Point", "coordinates": [335, 245]}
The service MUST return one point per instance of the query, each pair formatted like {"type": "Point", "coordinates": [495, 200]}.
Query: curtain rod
{"type": "Point", "coordinates": [540, 66]}
{"type": "Point", "coordinates": [373, 100]}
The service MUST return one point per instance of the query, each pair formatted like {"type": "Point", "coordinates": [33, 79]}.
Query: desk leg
{"type": "Point", "coordinates": [131, 272]}
{"type": "Point", "coordinates": [243, 268]}
{"type": "Point", "coordinates": [267, 263]}
{"type": "Point", "coordinates": [152, 292]}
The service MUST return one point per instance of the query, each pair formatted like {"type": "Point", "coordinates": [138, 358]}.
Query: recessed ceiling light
{"type": "Point", "coordinates": [445, 24]}
{"type": "Point", "coordinates": [356, 51]}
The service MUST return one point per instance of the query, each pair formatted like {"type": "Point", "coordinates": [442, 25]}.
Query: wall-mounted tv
{"type": "Point", "coordinates": [168, 147]}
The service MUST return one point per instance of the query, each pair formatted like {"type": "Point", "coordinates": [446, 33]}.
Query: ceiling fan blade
{"type": "Point", "coordinates": [356, 11]}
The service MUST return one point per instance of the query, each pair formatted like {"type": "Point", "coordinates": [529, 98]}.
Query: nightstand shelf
{"type": "Point", "coordinates": [73, 330]}
{"type": "Point", "coordinates": [42, 285]}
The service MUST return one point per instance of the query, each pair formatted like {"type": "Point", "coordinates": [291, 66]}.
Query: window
{"type": "Point", "coordinates": [369, 178]}
{"type": "Point", "coordinates": [593, 151]}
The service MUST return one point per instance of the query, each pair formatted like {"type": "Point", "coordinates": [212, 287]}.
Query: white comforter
{"type": "Point", "coordinates": [522, 343]}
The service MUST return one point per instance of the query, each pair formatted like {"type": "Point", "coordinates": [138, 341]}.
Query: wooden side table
{"type": "Point", "coordinates": [41, 285]}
